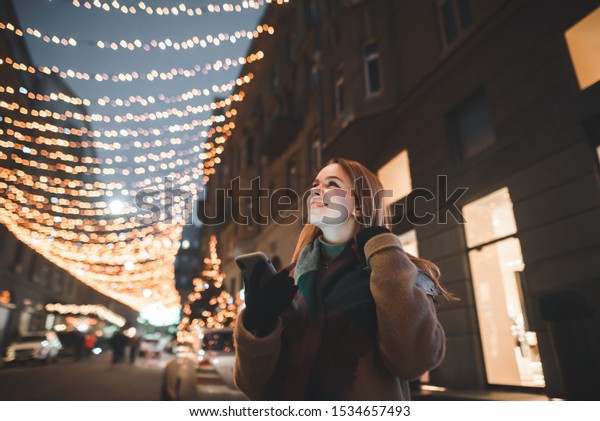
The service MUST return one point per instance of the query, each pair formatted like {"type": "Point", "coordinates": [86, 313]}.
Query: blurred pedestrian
{"type": "Point", "coordinates": [89, 343]}
{"type": "Point", "coordinates": [353, 317]}
{"type": "Point", "coordinates": [134, 348]}
{"type": "Point", "coordinates": [118, 342]}
{"type": "Point", "coordinates": [79, 343]}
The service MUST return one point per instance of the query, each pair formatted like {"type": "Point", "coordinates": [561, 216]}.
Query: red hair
{"type": "Point", "coordinates": [368, 192]}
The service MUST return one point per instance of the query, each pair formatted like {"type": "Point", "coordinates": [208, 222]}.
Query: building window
{"type": "Point", "coordinates": [510, 349]}
{"type": "Point", "coordinates": [470, 129]}
{"type": "Point", "coordinates": [455, 18]}
{"type": "Point", "coordinates": [395, 177]}
{"type": "Point", "coordinates": [582, 40]}
{"type": "Point", "coordinates": [339, 93]}
{"type": "Point", "coordinates": [372, 69]}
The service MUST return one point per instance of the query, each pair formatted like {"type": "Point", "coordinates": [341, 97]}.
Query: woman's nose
{"type": "Point", "coordinates": [315, 191]}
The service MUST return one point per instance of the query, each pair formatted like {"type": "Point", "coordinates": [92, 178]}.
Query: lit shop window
{"type": "Point", "coordinates": [395, 177]}
{"type": "Point", "coordinates": [510, 349]}
{"type": "Point", "coordinates": [582, 40]}
{"type": "Point", "coordinates": [409, 243]}
{"type": "Point", "coordinates": [408, 240]}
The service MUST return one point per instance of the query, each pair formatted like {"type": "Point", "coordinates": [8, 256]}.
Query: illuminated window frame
{"type": "Point", "coordinates": [582, 43]}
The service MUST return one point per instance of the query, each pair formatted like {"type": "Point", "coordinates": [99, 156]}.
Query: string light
{"type": "Point", "coordinates": [173, 111]}
{"type": "Point", "coordinates": [87, 310]}
{"type": "Point", "coordinates": [128, 132]}
{"type": "Point", "coordinates": [52, 201]}
{"type": "Point", "coordinates": [187, 44]}
{"type": "Point", "coordinates": [147, 46]}
{"type": "Point", "coordinates": [34, 32]}
{"type": "Point", "coordinates": [131, 100]}
{"type": "Point", "coordinates": [171, 74]}
{"type": "Point", "coordinates": [122, 287]}
{"type": "Point", "coordinates": [47, 97]}
{"type": "Point", "coordinates": [181, 10]}
{"type": "Point", "coordinates": [186, 96]}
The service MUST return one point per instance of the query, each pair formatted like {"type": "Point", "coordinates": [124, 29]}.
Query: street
{"type": "Point", "coordinates": [95, 379]}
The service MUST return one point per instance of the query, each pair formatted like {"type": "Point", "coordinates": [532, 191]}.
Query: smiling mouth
{"type": "Point", "coordinates": [317, 204]}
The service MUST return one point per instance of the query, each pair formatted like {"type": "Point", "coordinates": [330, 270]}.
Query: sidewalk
{"type": "Point", "coordinates": [443, 394]}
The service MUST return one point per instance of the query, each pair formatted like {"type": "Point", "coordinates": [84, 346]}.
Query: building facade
{"type": "Point", "coordinates": [491, 107]}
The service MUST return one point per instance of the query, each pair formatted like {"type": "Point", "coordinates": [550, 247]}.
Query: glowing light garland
{"type": "Point", "coordinates": [131, 100]}
{"type": "Point", "coordinates": [34, 32]}
{"type": "Point", "coordinates": [88, 310]}
{"type": "Point", "coordinates": [51, 200]}
{"type": "Point", "coordinates": [147, 46]}
{"type": "Point", "coordinates": [182, 9]}
{"type": "Point", "coordinates": [131, 76]}
{"type": "Point", "coordinates": [157, 115]}
{"type": "Point", "coordinates": [128, 132]}
{"type": "Point", "coordinates": [186, 44]}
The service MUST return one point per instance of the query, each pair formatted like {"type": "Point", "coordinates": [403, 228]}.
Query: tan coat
{"type": "Point", "coordinates": [410, 340]}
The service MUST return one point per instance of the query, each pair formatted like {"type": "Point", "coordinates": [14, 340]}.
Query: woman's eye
{"type": "Point", "coordinates": [332, 183]}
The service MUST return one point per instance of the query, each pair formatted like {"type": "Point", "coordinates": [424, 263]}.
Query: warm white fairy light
{"type": "Point", "coordinates": [123, 287]}
{"type": "Point", "coordinates": [122, 133]}
{"type": "Point", "coordinates": [35, 33]}
{"type": "Point", "coordinates": [87, 310]}
{"type": "Point", "coordinates": [88, 227]}
{"type": "Point", "coordinates": [152, 75]}
{"type": "Point", "coordinates": [186, 96]}
{"type": "Point", "coordinates": [137, 44]}
{"type": "Point", "coordinates": [186, 44]}
{"type": "Point", "coordinates": [173, 111]}
{"type": "Point", "coordinates": [132, 99]}
{"type": "Point", "coordinates": [181, 10]}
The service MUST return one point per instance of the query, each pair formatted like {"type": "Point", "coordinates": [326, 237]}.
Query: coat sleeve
{"type": "Point", "coordinates": [410, 338]}
{"type": "Point", "coordinates": [255, 359]}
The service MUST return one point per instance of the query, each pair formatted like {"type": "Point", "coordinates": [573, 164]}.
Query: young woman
{"type": "Point", "coordinates": [353, 317]}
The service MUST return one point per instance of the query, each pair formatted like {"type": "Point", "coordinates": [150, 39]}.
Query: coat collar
{"type": "Point", "coordinates": [308, 260]}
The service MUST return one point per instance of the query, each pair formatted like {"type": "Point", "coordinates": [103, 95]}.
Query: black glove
{"type": "Point", "coordinates": [366, 234]}
{"type": "Point", "coordinates": [265, 303]}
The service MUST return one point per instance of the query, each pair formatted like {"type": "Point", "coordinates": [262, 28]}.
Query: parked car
{"type": "Point", "coordinates": [206, 374]}
{"type": "Point", "coordinates": [40, 346]}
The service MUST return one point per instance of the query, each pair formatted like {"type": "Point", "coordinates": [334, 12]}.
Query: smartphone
{"type": "Point", "coordinates": [248, 262]}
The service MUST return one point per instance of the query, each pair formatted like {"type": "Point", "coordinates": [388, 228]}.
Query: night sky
{"type": "Point", "coordinates": [63, 19]}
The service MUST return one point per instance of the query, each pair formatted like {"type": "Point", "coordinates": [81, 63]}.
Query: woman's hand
{"type": "Point", "coordinates": [265, 303]}
{"type": "Point", "coordinates": [366, 234]}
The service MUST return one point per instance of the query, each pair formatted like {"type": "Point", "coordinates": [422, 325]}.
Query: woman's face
{"type": "Point", "coordinates": [331, 202]}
